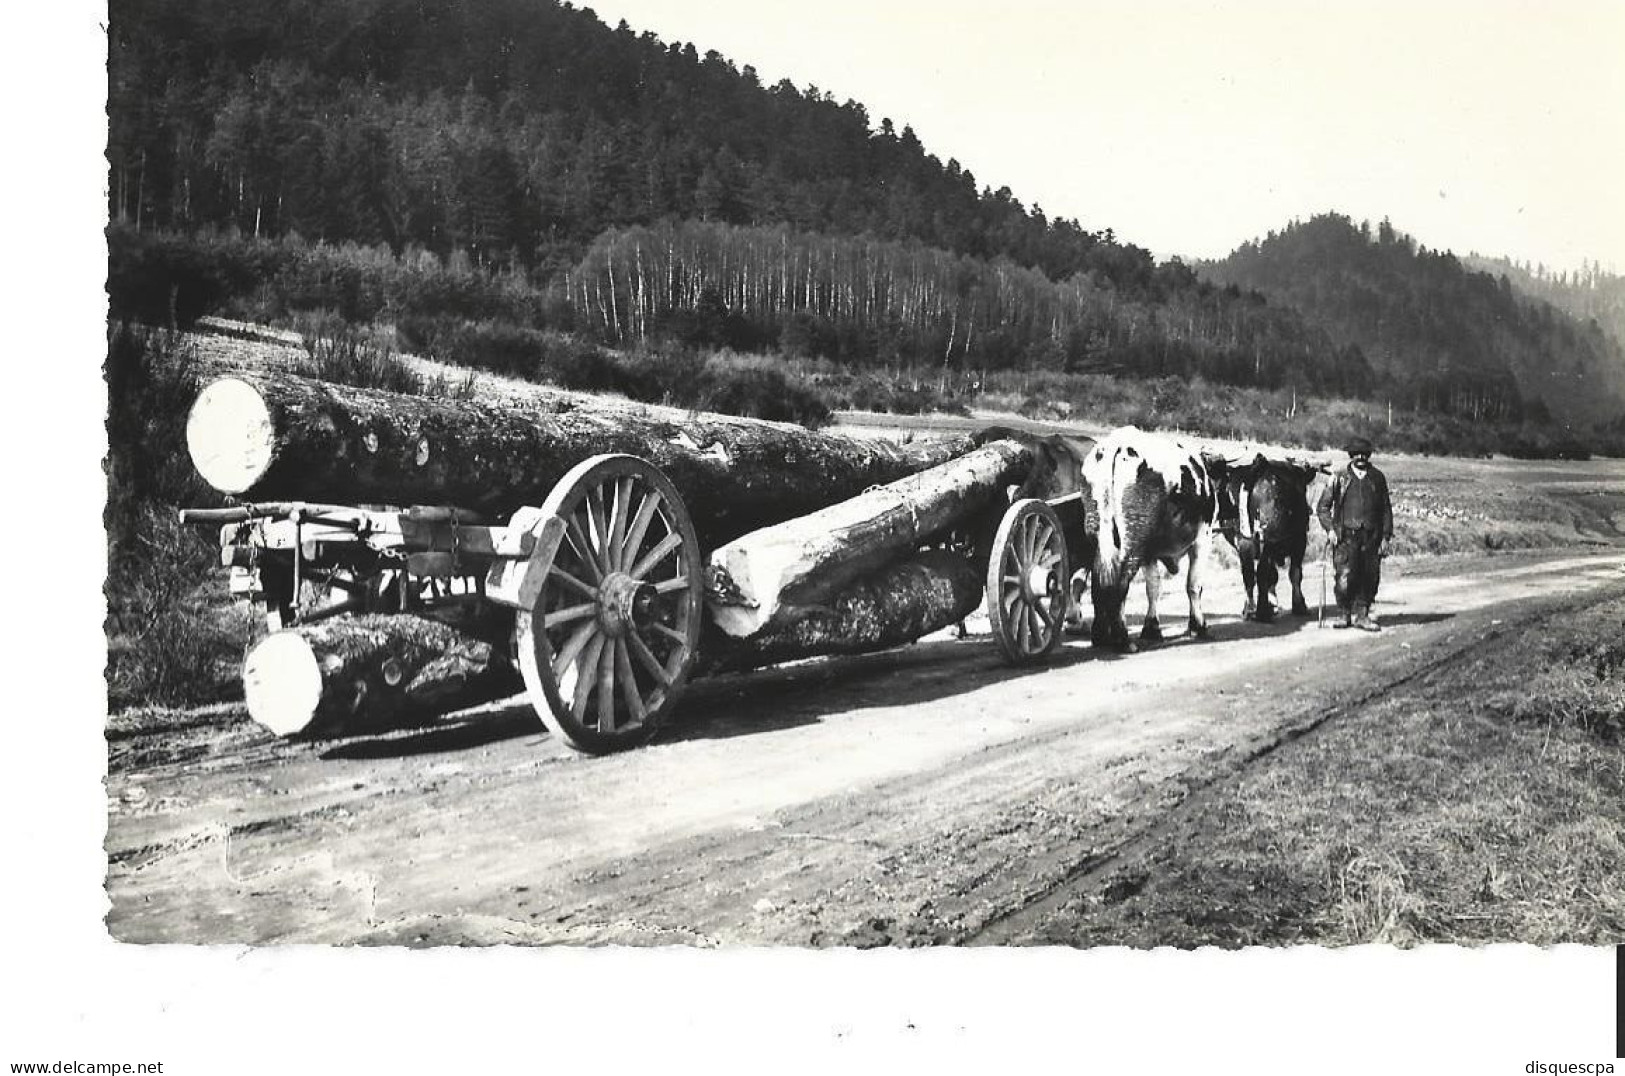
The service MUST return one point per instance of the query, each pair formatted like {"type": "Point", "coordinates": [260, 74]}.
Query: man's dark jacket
{"type": "Point", "coordinates": [1353, 503]}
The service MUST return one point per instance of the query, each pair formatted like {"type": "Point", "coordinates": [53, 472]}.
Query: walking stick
{"type": "Point", "coordinates": [1320, 620]}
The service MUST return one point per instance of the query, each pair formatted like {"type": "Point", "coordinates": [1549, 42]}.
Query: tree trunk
{"type": "Point", "coordinates": [374, 673]}
{"type": "Point", "coordinates": [270, 435]}
{"type": "Point", "coordinates": [911, 597]}
{"type": "Point", "coordinates": [764, 578]}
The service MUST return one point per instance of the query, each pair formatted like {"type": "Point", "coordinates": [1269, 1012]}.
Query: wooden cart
{"type": "Point", "coordinates": [601, 589]}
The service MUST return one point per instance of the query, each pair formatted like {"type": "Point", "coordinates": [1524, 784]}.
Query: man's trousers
{"type": "Point", "coordinates": [1357, 569]}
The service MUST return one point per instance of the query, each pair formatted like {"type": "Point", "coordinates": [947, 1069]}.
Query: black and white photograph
{"type": "Point", "coordinates": [1126, 498]}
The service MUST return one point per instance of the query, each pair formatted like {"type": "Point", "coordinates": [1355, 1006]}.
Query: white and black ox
{"type": "Point", "coordinates": [1270, 529]}
{"type": "Point", "coordinates": [1154, 500]}
{"type": "Point", "coordinates": [1146, 500]}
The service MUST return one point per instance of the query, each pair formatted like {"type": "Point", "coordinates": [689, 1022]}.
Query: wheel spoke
{"type": "Point", "coordinates": [667, 586]}
{"type": "Point", "coordinates": [640, 527]}
{"type": "Point", "coordinates": [629, 683]}
{"type": "Point", "coordinates": [1046, 615]}
{"type": "Point", "coordinates": [671, 633]}
{"type": "Point", "coordinates": [583, 549]}
{"type": "Point", "coordinates": [617, 523]}
{"type": "Point", "coordinates": [606, 690]}
{"type": "Point", "coordinates": [1023, 629]}
{"type": "Point", "coordinates": [597, 528]}
{"type": "Point", "coordinates": [572, 582]}
{"type": "Point", "coordinates": [646, 658]}
{"type": "Point", "coordinates": [667, 546]}
{"type": "Point", "coordinates": [585, 681]}
{"type": "Point", "coordinates": [572, 648]}
{"type": "Point", "coordinates": [569, 614]}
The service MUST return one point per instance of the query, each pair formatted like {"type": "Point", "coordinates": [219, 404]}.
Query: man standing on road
{"type": "Point", "coordinates": [1359, 522]}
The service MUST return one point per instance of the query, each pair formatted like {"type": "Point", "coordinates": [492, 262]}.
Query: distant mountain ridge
{"type": "Point", "coordinates": [527, 138]}
{"type": "Point", "coordinates": [520, 162]}
{"type": "Point", "coordinates": [1439, 334]}
{"type": "Point", "coordinates": [1588, 293]}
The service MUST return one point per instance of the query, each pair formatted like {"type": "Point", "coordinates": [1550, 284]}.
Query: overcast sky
{"type": "Point", "coordinates": [1187, 127]}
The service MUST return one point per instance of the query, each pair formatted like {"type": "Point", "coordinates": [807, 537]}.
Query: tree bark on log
{"type": "Point", "coordinates": [762, 579]}
{"type": "Point", "coordinates": [271, 435]}
{"type": "Point", "coordinates": [373, 673]}
{"type": "Point", "coordinates": [911, 597]}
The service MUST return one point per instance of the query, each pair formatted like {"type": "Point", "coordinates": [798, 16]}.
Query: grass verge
{"type": "Point", "coordinates": [1484, 803]}
{"type": "Point", "coordinates": [173, 637]}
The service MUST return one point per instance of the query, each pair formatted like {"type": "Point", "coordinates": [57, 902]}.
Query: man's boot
{"type": "Point", "coordinates": [1348, 619]}
{"type": "Point", "coordinates": [1362, 618]}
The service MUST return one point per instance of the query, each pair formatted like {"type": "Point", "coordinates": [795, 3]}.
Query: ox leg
{"type": "Point", "coordinates": [1249, 578]}
{"type": "Point", "coordinates": [1151, 630]}
{"type": "Point", "coordinates": [1268, 575]}
{"type": "Point", "coordinates": [1108, 629]}
{"type": "Point", "coordinates": [1294, 573]}
{"type": "Point", "coordinates": [1193, 582]}
{"type": "Point", "coordinates": [1074, 605]}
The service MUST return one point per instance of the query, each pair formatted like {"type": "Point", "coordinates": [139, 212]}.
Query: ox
{"type": "Point", "coordinates": [1271, 529]}
{"type": "Point", "coordinates": [1148, 499]}
{"type": "Point", "coordinates": [1128, 502]}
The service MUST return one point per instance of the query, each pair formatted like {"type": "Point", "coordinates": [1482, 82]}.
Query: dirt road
{"type": "Point", "coordinates": [922, 796]}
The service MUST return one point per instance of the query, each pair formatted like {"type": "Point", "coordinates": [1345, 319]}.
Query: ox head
{"type": "Point", "coordinates": [1272, 499]}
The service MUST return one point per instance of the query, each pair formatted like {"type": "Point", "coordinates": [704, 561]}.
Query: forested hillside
{"type": "Point", "coordinates": [1438, 334]}
{"type": "Point", "coordinates": [516, 130]}
{"type": "Point", "coordinates": [1588, 293]}
{"type": "Point", "coordinates": [513, 184]}
{"type": "Point", "coordinates": [525, 137]}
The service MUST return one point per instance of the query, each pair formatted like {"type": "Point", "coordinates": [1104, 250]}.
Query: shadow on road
{"type": "Point", "coordinates": [1399, 620]}
{"type": "Point", "coordinates": [805, 693]}
{"type": "Point", "coordinates": [456, 733]}
{"type": "Point", "coordinates": [792, 696]}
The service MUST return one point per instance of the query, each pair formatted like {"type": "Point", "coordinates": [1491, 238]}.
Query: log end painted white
{"type": "Point", "coordinates": [231, 435]}
{"type": "Point", "coordinates": [758, 572]}
{"type": "Point", "coordinates": [282, 683]}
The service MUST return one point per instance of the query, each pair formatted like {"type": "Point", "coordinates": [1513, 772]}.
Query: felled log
{"type": "Point", "coordinates": [763, 578]}
{"type": "Point", "coordinates": [913, 596]}
{"type": "Point", "coordinates": [373, 673]}
{"type": "Point", "coordinates": [271, 435]}
{"type": "Point", "coordinates": [1248, 454]}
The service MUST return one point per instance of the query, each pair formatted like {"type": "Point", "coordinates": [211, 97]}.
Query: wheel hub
{"type": "Point", "coordinates": [624, 603]}
{"type": "Point", "coordinates": [1040, 582]}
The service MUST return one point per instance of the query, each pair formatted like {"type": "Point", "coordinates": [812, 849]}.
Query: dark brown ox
{"type": "Point", "coordinates": [1271, 529]}
{"type": "Point", "coordinates": [1150, 500]}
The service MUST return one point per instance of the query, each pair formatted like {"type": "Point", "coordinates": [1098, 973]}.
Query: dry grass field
{"type": "Point", "coordinates": [1484, 801]}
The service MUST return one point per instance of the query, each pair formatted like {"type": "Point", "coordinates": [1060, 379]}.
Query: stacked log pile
{"type": "Point", "coordinates": [277, 436]}
{"type": "Point", "coordinates": [814, 539]}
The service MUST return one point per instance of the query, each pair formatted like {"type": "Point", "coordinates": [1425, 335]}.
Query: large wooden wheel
{"type": "Point", "coordinates": [612, 634]}
{"type": "Point", "coordinates": [1026, 581]}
